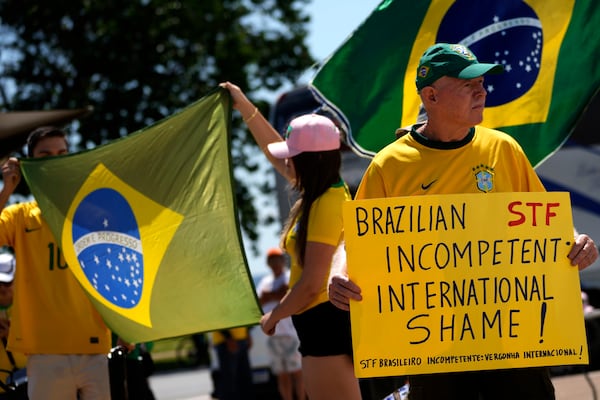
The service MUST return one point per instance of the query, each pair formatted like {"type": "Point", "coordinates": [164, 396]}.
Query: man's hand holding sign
{"type": "Point", "coordinates": [463, 282]}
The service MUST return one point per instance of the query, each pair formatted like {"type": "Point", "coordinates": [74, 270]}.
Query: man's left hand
{"type": "Point", "coordinates": [584, 252]}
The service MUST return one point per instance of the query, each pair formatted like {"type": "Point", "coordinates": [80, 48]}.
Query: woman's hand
{"type": "Point", "coordinates": [11, 174]}
{"type": "Point", "coordinates": [240, 101]}
{"type": "Point", "coordinates": [268, 324]}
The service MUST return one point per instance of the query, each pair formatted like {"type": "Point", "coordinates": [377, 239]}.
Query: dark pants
{"type": "Point", "coordinates": [128, 378]}
{"type": "Point", "coordinates": [235, 377]}
{"type": "Point", "coordinates": [138, 387]}
{"type": "Point", "coordinates": [514, 384]}
{"type": "Point", "coordinates": [380, 387]}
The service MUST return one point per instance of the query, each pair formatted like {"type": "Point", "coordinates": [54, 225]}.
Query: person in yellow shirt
{"type": "Point", "coordinates": [52, 320]}
{"type": "Point", "coordinates": [309, 158]}
{"type": "Point", "coordinates": [9, 361]}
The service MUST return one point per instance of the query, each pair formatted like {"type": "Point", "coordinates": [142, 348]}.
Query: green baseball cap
{"type": "Point", "coordinates": [454, 60]}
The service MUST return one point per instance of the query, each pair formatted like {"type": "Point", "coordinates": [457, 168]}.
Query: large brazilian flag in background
{"type": "Point", "coordinates": [148, 225]}
{"type": "Point", "coordinates": [550, 50]}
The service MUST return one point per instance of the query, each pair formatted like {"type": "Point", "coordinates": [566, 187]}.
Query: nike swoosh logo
{"type": "Point", "coordinates": [425, 187]}
{"type": "Point", "coordinates": [27, 230]}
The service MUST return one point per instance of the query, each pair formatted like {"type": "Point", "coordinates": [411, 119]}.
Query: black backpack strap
{"type": "Point", "coordinates": [10, 355]}
{"type": "Point", "coordinates": [4, 386]}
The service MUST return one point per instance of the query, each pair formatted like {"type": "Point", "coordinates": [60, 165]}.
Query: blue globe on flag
{"type": "Point", "coordinates": [107, 243]}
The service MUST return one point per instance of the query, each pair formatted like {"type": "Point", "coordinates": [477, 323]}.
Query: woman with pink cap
{"type": "Point", "coordinates": [309, 158]}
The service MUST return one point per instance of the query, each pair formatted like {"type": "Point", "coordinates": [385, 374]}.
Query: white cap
{"type": "Point", "coordinates": [7, 267]}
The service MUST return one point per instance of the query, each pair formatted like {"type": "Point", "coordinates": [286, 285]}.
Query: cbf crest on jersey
{"type": "Point", "coordinates": [548, 49]}
{"type": "Point", "coordinates": [148, 225]}
{"type": "Point", "coordinates": [484, 178]}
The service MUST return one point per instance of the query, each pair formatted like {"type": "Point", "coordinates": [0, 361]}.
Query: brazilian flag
{"type": "Point", "coordinates": [148, 225]}
{"type": "Point", "coordinates": [549, 50]}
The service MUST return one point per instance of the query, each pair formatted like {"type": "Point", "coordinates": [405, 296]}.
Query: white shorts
{"type": "Point", "coordinates": [285, 356]}
{"type": "Point", "coordinates": [63, 376]}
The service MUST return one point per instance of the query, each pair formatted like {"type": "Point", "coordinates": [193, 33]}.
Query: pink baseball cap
{"type": "Point", "coordinates": [310, 132]}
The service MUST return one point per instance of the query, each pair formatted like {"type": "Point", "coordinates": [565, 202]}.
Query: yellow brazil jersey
{"type": "Point", "coordinates": [20, 360]}
{"type": "Point", "coordinates": [325, 225]}
{"type": "Point", "coordinates": [485, 161]}
{"type": "Point", "coordinates": [51, 313]}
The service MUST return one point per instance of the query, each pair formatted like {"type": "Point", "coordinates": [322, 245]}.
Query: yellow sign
{"type": "Point", "coordinates": [463, 282]}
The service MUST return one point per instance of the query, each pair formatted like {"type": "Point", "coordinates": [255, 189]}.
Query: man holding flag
{"type": "Point", "coordinates": [53, 320]}
{"type": "Point", "coordinates": [448, 154]}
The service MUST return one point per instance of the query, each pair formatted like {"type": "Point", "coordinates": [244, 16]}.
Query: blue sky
{"type": "Point", "coordinates": [332, 21]}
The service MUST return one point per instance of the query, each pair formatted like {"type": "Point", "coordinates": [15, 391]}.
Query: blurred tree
{"type": "Point", "coordinates": [138, 61]}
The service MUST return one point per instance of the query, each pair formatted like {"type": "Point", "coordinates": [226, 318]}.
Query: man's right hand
{"type": "Point", "coordinates": [11, 175]}
{"type": "Point", "coordinates": [342, 290]}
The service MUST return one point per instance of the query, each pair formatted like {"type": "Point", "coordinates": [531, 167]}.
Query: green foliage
{"type": "Point", "coordinates": [138, 61]}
